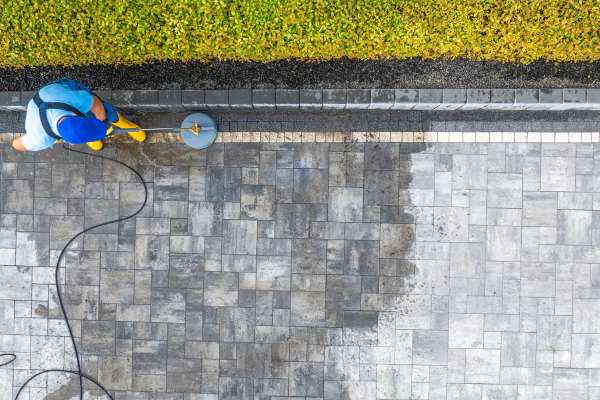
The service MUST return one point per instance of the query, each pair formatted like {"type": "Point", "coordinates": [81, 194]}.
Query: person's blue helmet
{"type": "Point", "coordinates": [79, 130]}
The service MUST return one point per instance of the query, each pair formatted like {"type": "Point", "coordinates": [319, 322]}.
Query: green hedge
{"type": "Point", "coordinates": [75, 32]}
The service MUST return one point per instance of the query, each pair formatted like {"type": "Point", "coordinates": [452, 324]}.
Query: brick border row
{"type": "Point", "coordinates": [338, 99]}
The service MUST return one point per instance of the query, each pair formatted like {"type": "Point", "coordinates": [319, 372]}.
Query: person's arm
{"type": "Point", "coordinates": [98, 109]}
{"type": "Point", "coordinates": [18, 145]}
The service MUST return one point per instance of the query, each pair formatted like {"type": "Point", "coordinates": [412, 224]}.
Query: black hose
{"type": "Point", "coordinates": [79, 372]}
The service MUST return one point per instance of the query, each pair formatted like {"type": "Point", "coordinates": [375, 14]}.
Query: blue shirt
{"type": "Point", "coordinates": [35, 137]}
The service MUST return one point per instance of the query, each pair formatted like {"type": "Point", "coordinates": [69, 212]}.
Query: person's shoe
{"type": "Point", "coordinates": [96, 146]}
{"type": "Point", "coordinates": [124, 123]}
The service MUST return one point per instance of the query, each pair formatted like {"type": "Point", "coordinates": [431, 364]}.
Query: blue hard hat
{"type": "Point", "coordinates": [78, 130]}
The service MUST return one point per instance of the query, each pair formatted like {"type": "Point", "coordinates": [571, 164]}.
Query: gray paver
{"type": "Point", "coordinates": [312, 270]}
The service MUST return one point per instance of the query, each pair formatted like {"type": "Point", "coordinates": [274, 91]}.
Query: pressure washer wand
{"type": "Point", "coordinates": [195, 129]}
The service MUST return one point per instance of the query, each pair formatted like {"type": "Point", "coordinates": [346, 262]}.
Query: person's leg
{"type": "Point", "coordinates": [124, 123]}
{"type": "Point", "coordinates": [96, 146]}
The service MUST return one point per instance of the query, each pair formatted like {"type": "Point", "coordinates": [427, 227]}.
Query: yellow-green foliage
{"type": "Point", "coordinates": [75, 32]}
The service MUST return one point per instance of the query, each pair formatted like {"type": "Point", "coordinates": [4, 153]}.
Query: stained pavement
{"type": "Point", "coordinates": [333, 271]}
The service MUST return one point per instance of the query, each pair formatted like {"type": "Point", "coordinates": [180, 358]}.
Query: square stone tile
{"type": "Point", "coordinates": [430, 347]}
{"type": "Point", "coordinates": [239, 237]}
{"type": "Point", "coordinates": [117, 286]}
{"type": "Point", "coordinates": [482, 366]}
{"type": "Point", "coordinates": [396, 240]}
{"type": "Point", "coordinates": [469, 171]}
{"type": "Point", "coordinates": [308, 308]}
{"type": "Point", "coordinates": [504, 190]}
{"type": "Point", "coordinates": [306, 379]}
{"type": "Point", "coordinates": [558, 174]}
{"type": "Point", "coordinates": [310, 185]}
{"type": "Point", "coordinates": [168, 305]}
{"type": "Point", "coordinates": [518, 349]}
{"type": "Point", "coordinates": [539, 209]}
{"type": "Point", "coordinates": [465, 330]}
{"type": "Point", "coordinates": [554, 332]}
{"type": "Point", "coordinates": [574, 227]}
{"type": "Point", "coordinates": [309, 256]}
{"type": "Point", "coordinates": [466, 259]}
{"type": "Point", "coordinates": [345, 204]}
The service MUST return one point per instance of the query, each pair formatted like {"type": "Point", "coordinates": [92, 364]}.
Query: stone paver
{"type": "Point", "coordinates": [332, 271]}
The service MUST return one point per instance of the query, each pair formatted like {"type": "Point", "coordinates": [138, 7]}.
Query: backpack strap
{"type": "Point", "coordinates": [45, 106]}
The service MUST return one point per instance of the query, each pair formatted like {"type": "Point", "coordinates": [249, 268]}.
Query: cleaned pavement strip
{"type": "Point", "coordinates": [308, 270]}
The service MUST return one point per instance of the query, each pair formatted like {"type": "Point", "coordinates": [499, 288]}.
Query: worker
{"type": "Point", "coordinates": [69, 111]}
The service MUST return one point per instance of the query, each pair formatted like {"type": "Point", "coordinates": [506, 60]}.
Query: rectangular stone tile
{"type": "Point", "coordinates": [466, 259]}
{"type": "Point", "coordinates": [393, 381]}
{"type": "Point", "coordinates": [585, 351]}
{"type": "Point", "coordinates": [381, 187]}
{"type": "Point", "coordinates": [584, 316]}
{"type": "Point", "coordinates": [503, 243]}
{"type": "Point", "coordinates": [242, 155]}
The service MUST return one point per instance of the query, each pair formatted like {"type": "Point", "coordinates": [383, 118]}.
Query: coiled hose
{"type": "Point", "coordinates": [10, 357]}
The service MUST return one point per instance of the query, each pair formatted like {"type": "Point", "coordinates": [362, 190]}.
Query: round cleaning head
{"type": "Point", "coordinates": [198, 130]}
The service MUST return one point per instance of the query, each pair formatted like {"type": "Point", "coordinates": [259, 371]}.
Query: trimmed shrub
{"type": "Point", "coordinates": [76, 32]}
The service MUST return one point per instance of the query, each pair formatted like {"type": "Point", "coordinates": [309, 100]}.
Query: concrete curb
{"type": "Point", "coordinates": [369, 137]}
{"type": "Point", "coordinates": [338, 99]}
